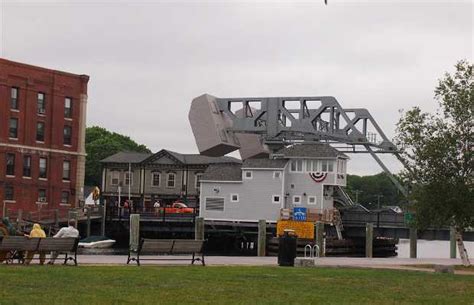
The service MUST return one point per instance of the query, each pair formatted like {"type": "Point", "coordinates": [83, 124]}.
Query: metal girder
{"type": "Point", "coordinates": [219, 126]}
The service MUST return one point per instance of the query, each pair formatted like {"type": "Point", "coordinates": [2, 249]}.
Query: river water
{"type": "Point", "coordinates": [431, 248]}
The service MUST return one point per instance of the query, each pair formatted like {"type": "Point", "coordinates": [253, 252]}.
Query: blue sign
{"type": "Point", "coordinates": [299, 214]}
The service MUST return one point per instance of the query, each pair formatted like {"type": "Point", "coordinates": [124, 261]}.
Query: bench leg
{"type": "Point", "coordinates": [202, 259]}
{"type": "Point", "coordinates": [193, 259]}
{"type": "Point", "coordinates": [133, 259]}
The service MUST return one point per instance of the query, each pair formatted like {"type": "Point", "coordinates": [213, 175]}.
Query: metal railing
{"type": "Point", "coordinates": [163, 214]}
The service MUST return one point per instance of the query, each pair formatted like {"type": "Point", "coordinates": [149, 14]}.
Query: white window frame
{"type": "Point", "coordinates": [299, 199]}
{"type": "Point", "coordinates": [279, 199]}
{"type": "Point", "coordinates": [277, 173]}
{"type": "Point", "coordinates": [245, 175]}
{"type": "Point", "coordinates": [112, 177]}
{"type": "Point", "coordinates": [331, 164]}
{"type": "Point", "coordinates": [232, 198]}
{"type": "Point", "coordinates": [153, 179]}
{"type": "Point", "coordinates": [196, 186]}
{"type": "Point", "coordinates": [295, 161]}
{"type": "Point", "coordinates": [168, 175]}
{"type": "Point", "coordinates": [315, 200]}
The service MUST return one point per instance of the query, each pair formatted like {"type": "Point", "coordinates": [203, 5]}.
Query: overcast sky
{"type": "Point", "coordinates": [148, 59]}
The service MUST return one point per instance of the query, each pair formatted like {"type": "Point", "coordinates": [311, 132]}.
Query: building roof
{"type": "Point", "coordinates": [223, 172]}
{"type": "Point", "coordinates": [264, 163]}
{"type": "Point", "coordinates": [311, 151]}
{"type": "Point", "coordinates": [134, 157]}
{"type": "Point", "coordinates": [126, 157]}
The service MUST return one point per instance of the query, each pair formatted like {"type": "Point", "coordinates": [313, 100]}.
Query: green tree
{"type": "Point", "coordinates": [100, 144]}
{"type": "Point", "coordinates": [368, 187]}
{"type": "Point", "coordinates": [438, 149]}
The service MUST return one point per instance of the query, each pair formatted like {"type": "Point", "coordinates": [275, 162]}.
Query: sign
{"type": "Point", "coordinates": [299, 214]}
{"type": "Point", "coordinates": [303, 229]}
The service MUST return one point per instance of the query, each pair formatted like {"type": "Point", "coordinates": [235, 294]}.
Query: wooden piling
{"type": "Point", "coordinates": [262, 237]}
{"type": "Point", "coordinates": [452, 242]}
{"type": "Point", "coordinates": [413, 242]}
{"type": "Point", "coordinates": [199, 228]}
{"type": "Point", "coordinates": [134, 231]}
{"type": "Point", "coordinates": [104, 211]}
{"type": "Point", "coordinates": [320, 237]}
{"type": "Point", "coordinates": [369, 239]}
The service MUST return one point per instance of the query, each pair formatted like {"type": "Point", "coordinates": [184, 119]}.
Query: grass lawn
{"type": "Point", "coordinates": [36, 285]}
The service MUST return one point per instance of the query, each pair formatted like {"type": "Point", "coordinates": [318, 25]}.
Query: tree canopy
{"type": "Point", "coordinates": [438, 149]}
{"type": "Point", "coordinates": [365, 190]}
{"type": "Point", "coordinates": [100, 144]}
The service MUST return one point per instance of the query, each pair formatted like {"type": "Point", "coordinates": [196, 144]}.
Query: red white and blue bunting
{"type": "Point", "coordinates": [318, 177]}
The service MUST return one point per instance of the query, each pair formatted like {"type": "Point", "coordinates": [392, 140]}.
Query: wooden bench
{"type": "Point", "coordinates": [62, 245]}
{"type": "Point", "coordinates": [18, 245]}
{"type": "Point", "coordinates": [168, 247]}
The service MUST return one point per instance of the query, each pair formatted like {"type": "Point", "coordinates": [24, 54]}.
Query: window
{"type": "Point", "coordinates": [296, 166]}
{"type": "Point", "coordinates": [14, 98]}
{"type": "Point", "coordinates": [197, 180]}
{"type": "Point", "coordinates": [9, 193]}
{"type": "Point", "coordinates": [312, 165]}
{"type": "Point", "coordinates": [276, 175]}
{"type": "Point", "coordinates": [115, 177]}
{"type": "Point", "coordinates": [248, 175]}
{"type": "Point", "coordinates": [330, 166]}
{"type": "Point", "coordinates": [13, 128]}
{"type": "Point", "coordinates": [128, 178]}
{"type": "Point", "coordinates": [234, 197]}
{"type": "Point", "coordinates": [26, 166]}
{"type": "Point", "coordinates": [276, 199]}
{"type": "Point", "coordinates": [64, 197]}
{"type": "Point", "coordinates": [171, 180]}
{"type": "Point", "coordinates": [10, 165]}
{"type": "Point", "coordinates": [42, 195]}
{"type": "Point", "coordinates": [67, 135]}
{"type": "Point", "coordinates": [324, 165]}
{"type": "Point", "coordinates": [41, 103]}
{"type": "Point", "coordinates": [296, 199]}
{"type": "Point", "coordinates": [312, 200]}
{"type": "Point", "coordinates": [40, 131]}
{"type": "Point", "coordinates": [66, 170]}
{"type": "Point", "coordinates": [43, 171]}
{"type": "Point", "coordinates": [215, 204]}
{"type": "Point", "coordinates": [155, 179]}
{"type": "Point", "coordinates": [68, 107]}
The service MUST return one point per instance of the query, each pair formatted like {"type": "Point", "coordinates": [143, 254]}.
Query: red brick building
{"type": "Point", "coordinates": [42, 134]}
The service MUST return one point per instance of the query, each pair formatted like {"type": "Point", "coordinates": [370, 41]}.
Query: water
{"type": "Point", "coordinates": [431, 248]}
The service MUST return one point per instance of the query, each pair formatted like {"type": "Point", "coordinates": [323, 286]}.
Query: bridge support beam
{"type": "Point", "coordinates": [199, 228]}
{"type": "Point", "coordinates": [320, 237]}
{"type": "Point", "coordinates": [452, 242]}
{"type": "Point", "coordinates": [413, 242]}
{"type": "Point", "coordinates": [369, 239]}
{"type": "Point", "coordinates": [262, 237]}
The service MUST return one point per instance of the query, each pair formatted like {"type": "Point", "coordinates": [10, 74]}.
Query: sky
{"type": "Point", "coordinates": [148, 59]}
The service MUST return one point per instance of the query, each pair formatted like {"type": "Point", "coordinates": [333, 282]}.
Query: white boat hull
{"type": "Point", "coordinates": [102, 244]}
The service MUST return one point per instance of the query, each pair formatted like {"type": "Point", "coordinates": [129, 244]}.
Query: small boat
{"type": "Point", "coordinates": [96, 242]}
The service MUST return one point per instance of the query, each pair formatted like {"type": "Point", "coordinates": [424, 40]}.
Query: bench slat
{"type": "Point", "coordinates": [187, 246]}
{"type": "Point", "coordinates": [19, 243]}
{"type": "Point", "coordinates": [157, 245]}
{"type": "Point", "coordinates": [58, 244]}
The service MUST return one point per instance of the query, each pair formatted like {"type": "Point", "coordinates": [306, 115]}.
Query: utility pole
{"type": "Point", "coordinates": [378, 200]}
{"type": "Point", "coordinates": [129, 180]}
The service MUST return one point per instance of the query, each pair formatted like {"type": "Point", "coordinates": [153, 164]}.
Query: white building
{"type": "Point", "coordinates": [303, 175]}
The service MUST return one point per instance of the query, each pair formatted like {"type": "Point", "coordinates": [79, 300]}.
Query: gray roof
{"type": "Point", "coordinates": [264, 163]}
{"type": "Point", "coordinates": [223, 172]}
{"type": "Point", "coordinates": [126, 157]}
{"type": "Point", "coordinates": [311, 151]}
{"type": "Point", "coordinates": [133, 157]}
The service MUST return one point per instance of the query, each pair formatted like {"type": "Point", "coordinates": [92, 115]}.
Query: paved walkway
{"type": "Point", "coordinates": [384, 263]}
